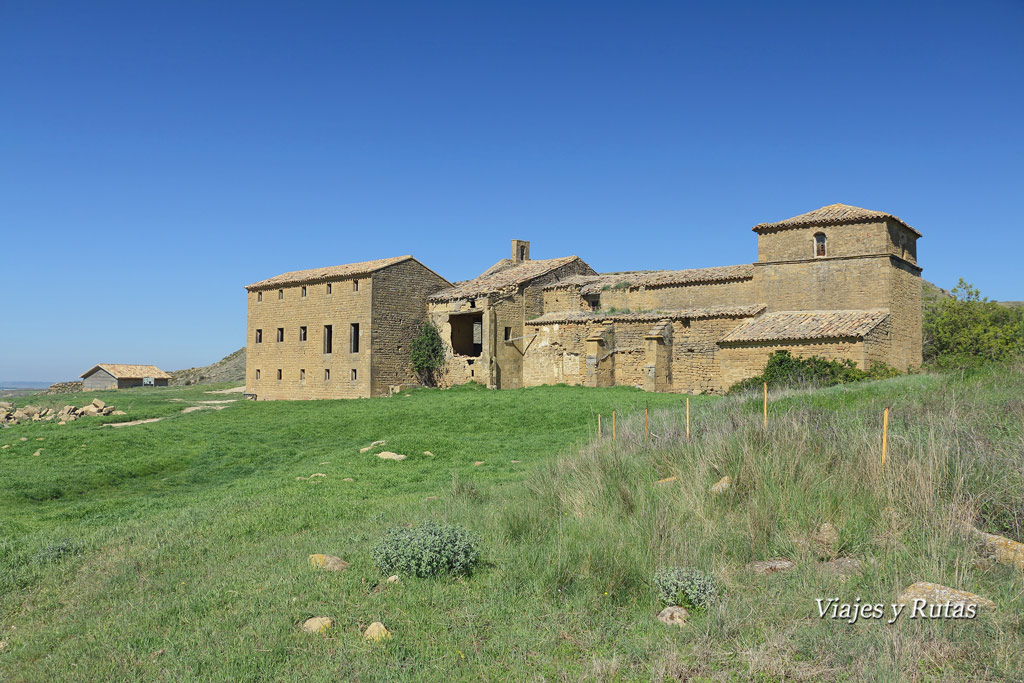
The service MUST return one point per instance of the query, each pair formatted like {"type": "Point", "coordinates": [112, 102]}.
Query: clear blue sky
{"type": "Point", "coordinates": [155, 157]}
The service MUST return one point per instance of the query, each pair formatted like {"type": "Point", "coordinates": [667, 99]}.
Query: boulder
{"type": "Point", "coordinates": [317, 475]}
{"type": "Point", "coordinates": [842, 566]}
{"type": "Point", "coordinates": [329, 563]}
{"type": "Point", "coordinates": [1003, 550]}
{"type": "Point", "coordinates": [19, 414]}
{"type": "Point", "coordinates": [372, 446]}
{"type": "Point", "coordinates": [478, 463]}
{"type": "Point", "coordinates": [388, 455]}
{"type": "Point", "coordinates": [771, 566]}
{"type": "Point", "coordinates": [317, 624]}
{"type": "Point", "coordinates": [89, 410]}
{"type": "Point", "coordinates": [31, 411]}
{"type": "Point", "coordinates": [348, 479]}
{"type": "Point", "coordinates": [722, 485]}
{"type": "Point", "coordinates": [119, 412]}
{"type": "Point", "coordinates": [376, 632]}
{"type": "Point", "coordinates": [394, 579]}
{"type": "Point", "coordinates": [100, 405]}
{"type": "Point", "coordinates": [6, 405]}
{"type": "Point", "coordinates": [673, 616]}
{"type": "Point", "coordinates": [933, 593]}
{"type": "Point", "coordinates": [108, 410]}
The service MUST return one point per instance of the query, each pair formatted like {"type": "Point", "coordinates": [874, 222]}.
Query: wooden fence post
{"type": "Point", "coordinates": [687, 418]}
{"type": "Point", "coordinates": [766, 405]}
{"type": "Point", "coordinates": [885, 435]}
{"type": "Point", "coordinates": [599, 426]}
{"type": "Point", "coordinates": [646, 429]}
{"type": "Point", "coordinates": [613, 425]}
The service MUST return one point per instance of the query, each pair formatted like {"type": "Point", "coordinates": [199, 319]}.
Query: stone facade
{"type": "Point", "coordinates": [839, 282]}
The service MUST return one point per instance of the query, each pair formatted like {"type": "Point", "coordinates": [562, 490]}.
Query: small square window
{"type": "Point", "coordinates": [302, 375]}
{"type": "Point", "coordinates": [355, 285]}
{"type": "Point", "coordinates": [279, 373]}
{"type": "Point", "coordinates": [259, 296]}
{"type": "Point", "coordinates": [353, 374]}
{"type": "Point", "coordinates": [303, 290]}
{"type": "Point", "coordinates": [259, 336]}
{"type": "Point", "coordinates": [328, 287]}
{"type": "Point", "coordinates": [327, 374]}
{"type": "Point", "coordinates": [302, 333]}
{"type": "Point", "coordinates": [280, 334]}
{"type": "Point", "coordinates": [280, 294]}
{"type": "Point", "coordinates": [257, 373]}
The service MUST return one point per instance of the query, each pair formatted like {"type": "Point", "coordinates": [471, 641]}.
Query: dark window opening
{"type": "Point", "coordinates": [467, 334]}
{"type": "Point", "coordinates": [328, 339]}
{"type": "Point", "coordinates": [819, 244]}
{"type": "Point", "coordinates": [327, 375]}
{"type": "Point", "coordinates": [280, 294]}
{"type": "Point", "coordinates": [354, 338]}
{"type": "Point", "coordinates": [279, 373]}
{"type": "Point", "coordinates": [353, 374]}
{"type": "Point", "coordinates": [472, 303]}
{"type": "Point", "coordinates": [302, 333]}
{"type": "Point", "coordinates": [522, 253]}
{"type": "Point", "coordinates": [302, 375]}
{"type": "Point", "coordinates": [257, 373]}
{"type": "Point", "coordinates": [259, 296]}
{"type": "Point", "coordinates": [508, 333]}
{"type": "Point", "coordinates": [259, 336]}
{"type": "Point", "coordinates": [303, 290]}
{"type": "Point", "coordinates": [280, 334]}
{"type": "Point", "coordinates": [594, 302]}
{"type": "Point", "coordinates": [328, 287]}
{"type": "Point", "coordinates": [355, 285]}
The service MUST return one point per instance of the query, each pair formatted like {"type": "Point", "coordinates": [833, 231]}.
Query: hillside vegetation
{"type": "Point", "coordinates": [230, 368]}
{"type": "Point", "coordinates": [178, 549]}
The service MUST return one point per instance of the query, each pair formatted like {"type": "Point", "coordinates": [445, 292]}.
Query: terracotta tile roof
{"type": "Point", "coordinates": [834, 214]}
{"type": "Point", "coordinates": [122, 371]}
{"type": "Point", "coordinates": [792, 325]}
{"type": "Point", "coordinates": [329, 273]}
{"type": "Point", "coordinates": [503, 279]}
{"type": "Point", "coordinates": [644, 316]}
{"type": "Point", "coordinates": [592, 284]}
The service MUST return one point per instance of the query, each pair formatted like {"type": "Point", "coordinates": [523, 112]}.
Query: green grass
{"type": "Point", "coordinates": [178, 549]}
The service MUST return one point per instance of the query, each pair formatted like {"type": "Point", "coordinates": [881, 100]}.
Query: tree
{"type": "Point", "coordinates": [968, 329]}
{"type": "Point", "coordinates": [428, 354]}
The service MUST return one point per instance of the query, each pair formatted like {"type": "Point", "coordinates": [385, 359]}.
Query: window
{"type": "Point", "coordinates": [259, 296]}
{"type": "Point", "coordinates": [279, 373]}
{"type": "Point", "coordinates": [355, 285]}
{"type": "Point", "coordinates": [257, 373]}
{"type": "Point", "coordinates": [280, 334]}
{"type": "Point", "coordinates": [280, 294]}
{"type": "Point", "coordinates": [259, 336]}
{"type": "Point", "coordinates": [302, 375]}
{"type": "Point", "coordinates": [353, 374]}
{"type": "Point", "coordinates": [327, 374]}
{"type": "Point", "coordinates": [819, 244]}
{"type": "Point", "coordinates": [467, 334]}
{"type": "Point", "coordinates": [328, 339]}
{"type": "Point", "coordinates": [594, 302]}
{"type": "Point", "coordinates": [354, 338]}
{"type": "Point", "coordinates": [472, 303]}
{"type": "Point", "coordinates": [303, 290]}
{"type": "Point", "coordinates": [302, 333]}
{"type": "Point", "coordinates": [522, 253]}
{"type": "Point", "coordinates": [508, 333]}
{"type": "Point", "coordinates": [328, 287]}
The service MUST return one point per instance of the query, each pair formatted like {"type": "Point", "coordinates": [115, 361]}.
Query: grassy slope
{"type": "Point", "coordinates": [189, 537]}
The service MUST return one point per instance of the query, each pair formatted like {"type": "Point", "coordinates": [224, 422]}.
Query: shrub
{"type": "Point", "coordinates": [427, 550]}
{"type": "Point", "coordinates": [785, 370]}
{"type": "Point", "coordinates": [686, 587]}
{"type": "Point", "coordinates": [428, 354]}
{"type": "Point", "coordinates": [968, 329]}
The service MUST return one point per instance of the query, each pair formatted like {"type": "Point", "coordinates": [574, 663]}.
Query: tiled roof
{"type": "Point", "coordinates": [122, 371]}
{"type": "Point", "coordinates": [329, 273]}
{"type": "Point", "coordinates": [834, 214]}
{"type": "Point", "coordinates": [493, 281]}
{"type": "Point", "coordinates": [592, 284]}
{"type": "Point", "coordinates": [676, 314]}
{"type": "Point", "coordinates": [807, 325]}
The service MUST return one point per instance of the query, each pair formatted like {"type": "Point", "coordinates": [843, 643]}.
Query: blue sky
{"type": "Point", "coordinates": [155, 157]}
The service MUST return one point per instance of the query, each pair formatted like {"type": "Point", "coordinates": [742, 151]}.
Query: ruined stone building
{"type": "Point", "coordinates": [839, 282]}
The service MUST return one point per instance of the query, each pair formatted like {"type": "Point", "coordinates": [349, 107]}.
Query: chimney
{"type": "Point", "coordinates": [520, 251]}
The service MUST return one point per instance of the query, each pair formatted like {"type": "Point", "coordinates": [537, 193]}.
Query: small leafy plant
{"type": "Point", "coordinates": [686, 587]}
{"type": "Point", "coordinates": [427, 550]}
{"type": "Point", "coordinates": [428, 354]}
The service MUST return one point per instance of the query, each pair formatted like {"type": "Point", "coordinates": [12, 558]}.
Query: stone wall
{"type": "Point", "coordinates": [740, 361]}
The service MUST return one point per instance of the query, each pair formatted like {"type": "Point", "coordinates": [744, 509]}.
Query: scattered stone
{"type": "Point", "coordinates": [62, 422]}
{"type": "Point", "coordinates": [373, 445]}
{"type": "Point", "coordinates": [394, 579]}
{"type": "Point", "coordinates": [516, 461]}
{"type": "Point", "coordinates": [1003, 550]}
{"type": "Point", "coordinates": [673, 616]}
{"type": "Point", "coordinates": [329, 563]}
{"type": "Point", "coordinates": [119, 412]}
{"type": "Point", "coordinates": [30, 411]}
{"type": "Point", "coordinates": [38, 452]}
{"type": "Point", "coordinates": [842, 566]}
{"type": "Point", "coordinates": [665, 480]}
{"type": "Point", "coordinates": [771, 566]}
{"type": "Point", "coordinates": [428, 453]}
{"type": "Point", "coordinates": [317, 474]}
{"type": "Point", "coordinates": [39, 439]}
{"type": "Point", "coordinates": [376, 632]}
{"type": "Point", "coordinates": [100, 405]}
{"type": "Point", "coordinates": [348, 479]}
{"type": "Point", "coordinates": [6, 445]}
{"type": "Point", "coordinates": [934, 593]}
{"type": "Point", "coordinates": [722, 485]}
{"type": "Point", "coordinates": [300, 479]}
{"type": "Point", "coordinates": [388, 455]}
{"type": "Point", "coordinates": [317, 624]}
{"type": "Point", "coordinates": [431, 497]}
{"type": "Point", "coordinates": [6, 405]}
{"type": "Point", "coordinates": [478, 463]}
{"type": "Point", "coordinates": [24, 438]}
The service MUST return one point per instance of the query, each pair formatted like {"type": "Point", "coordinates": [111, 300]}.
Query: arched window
{"type": "Point", "coordinates": [819, 244]}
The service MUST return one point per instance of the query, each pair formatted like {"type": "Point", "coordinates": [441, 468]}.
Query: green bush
{"type": "Point", "coordinates": [686, 587]}
{"type": "Point", "coordinates": [967, 330]}
{"type": "Point", "coordinates": [785, 370]}
{"type": "Point", "coordinates": [427, 550]}
{"type": "Point", "coordinates": [428, 354]}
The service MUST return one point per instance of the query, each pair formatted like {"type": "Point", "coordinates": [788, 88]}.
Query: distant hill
{"type": "Point", "coordinates": [933, 294]}
{"type": "Point", "coordinates": [230, 368]}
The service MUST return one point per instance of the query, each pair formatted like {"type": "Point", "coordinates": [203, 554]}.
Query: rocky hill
{"type": "Point", "coordinates": [230, 368]}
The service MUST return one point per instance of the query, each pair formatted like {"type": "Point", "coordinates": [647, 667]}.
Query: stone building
{"type": "Point", "coordinates": [122, 376]}
{"type": "Point", "coordinates": [839, 282]}
{"type": "Point", "coordinates": [338, 332]}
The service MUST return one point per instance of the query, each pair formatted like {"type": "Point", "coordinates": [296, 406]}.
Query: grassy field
{"type": "Point", "coordinates": [178, 549]}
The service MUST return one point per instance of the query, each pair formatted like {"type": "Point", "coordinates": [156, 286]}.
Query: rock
{"type": "Point", "coordinates": [6, 445]}
{"type": "Point", "coordinates": [722, 485]}
{"type": "Point", "coordinates": [24, 438]}
{"type": "Point", "coordinates": [933, 593]}
{"type": "Point", "coordinates": [516, 461]}
{"type": "Point", "coordinates": [348, 479]}
{"type": "Point", "coordinates": [372, 446]}
{"type": "Point", "coordinates": [665, 480]}
{"type": "Point", "coordinates": [478, 463]}
{"type": "Point", "coordinates": [30, 411]}
{"type": "Point", "coordinates": [771, 566]}
{"type": "Point", "coordinates": [90, 410]}
{"type": "Point", "coordinates": [1003, 550]}
{"type": "Point", "coordinates": [19, 414]}
{"type": "Point", "coordinates": [119, 412]}
{"type": "Point", "coordinates": [317, 474]}
{"type": "Point", "coordinates": [38, 452]}
{"type": "Point", "coordinates": [388, 455]}
{"type": "Point", "coordinates": [109, 410]}
{"type": "Point", "coordinates": [842, 566]}
{"type": "Point", "coordinates": [39, 438]}
{"type": "Point", "coordinates": [428, 454]}
{"type": "Point", "coordinates": [431, 498]}
{"type": "Point", "coordinates": [100, 405]}
{"type": "Point", "coordinates": [673, 616]}
{"type": "Point", "coordinates": [376, 632]}
{"type": "Point", "coordinates": [317, 624]}
{"type": "Point", "coordinates": [6, 405]}
{"type": "Point", "coordinates": [62, 422]}
{"type": "Point", "coordinates": [394, 579]}
{"type": "Point", "coordinates": [300, 479]}
{"type": "Point", "coordinates": [329, 563]}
